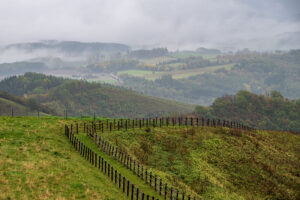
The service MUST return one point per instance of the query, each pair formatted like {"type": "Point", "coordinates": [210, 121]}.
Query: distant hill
{"type": "Point", "coordinates": [20, 106]}
{"type": "Point", "coordinates": [147, 54]}
{"type": "Point", "coordinates": [84, 98]}
{"type": "Point", "coordinates": [208, 51]}
{"type": "Point", "coordinates": [21, 67]}
{"type": "Point", "coordinates": [62, 53]}
{"type": "Point", "coordinates": [71, 47]}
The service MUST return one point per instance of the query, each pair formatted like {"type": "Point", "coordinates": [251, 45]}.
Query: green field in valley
{"type": "Point", "coordinates": [137, 73]}
{"type": "Point", "coordinates": [176, 74]}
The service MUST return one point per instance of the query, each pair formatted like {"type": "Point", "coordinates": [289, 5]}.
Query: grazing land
{"type": "Point", "coordinates": [38, 161]}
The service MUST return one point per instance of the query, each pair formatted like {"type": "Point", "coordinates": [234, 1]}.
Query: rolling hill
{"type": "Point", "coordinates": [218, 163]}
{"type": "Point", "coordinates": [85, 98]}
{"type": "Point", "coordinates": [38, 162]}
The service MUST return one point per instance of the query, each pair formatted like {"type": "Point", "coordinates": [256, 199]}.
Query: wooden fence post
{"type": "Point", "coordinates": [150, 180]}
{"type": "Point", "coordinates": [119, 180]}
{"type": "Point", "coordinates": [155, 184]}
{"type": "Point", "coordinates": [123, 184]}
{"type": "Point", "coordinates": [112, 173]}
{"type": "Point", "coordinates": [130, 163]}
{"type": "Point", "coordinates": [96, 159]}
{"type": "Point", "coordinates": [160, 183]}
{"type": "Point", "coordinates": [128, 183]}
{"type": "Point", "coordinates": [142, 172]}
{"type": "Point", "coordinates": [137, 193]}
{"type": "Point", "coordinates": [166, 190]}
{"type": "Point", "coordinates": [99, 162]}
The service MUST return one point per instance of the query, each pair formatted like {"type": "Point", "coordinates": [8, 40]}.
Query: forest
{"type": "Point", "coordinates": [271, 111]}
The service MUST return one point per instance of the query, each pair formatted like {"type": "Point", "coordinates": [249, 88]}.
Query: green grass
{"type": "Point", "coordinates": [134, 179]}
{"type": "Point", "coordinates": [38, 162]}
{"type": "Point", "coordinates": [193, 72]}
{"type": "Point", "coordinates": [18, 109]}
{"type": "Point", "coordinates": [138, 73]}
{"type": "Point", "coordinates": [219, 163]}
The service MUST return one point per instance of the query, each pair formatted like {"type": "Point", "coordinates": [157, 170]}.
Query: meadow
{"type": "Point", "coordinates": [37, 161]}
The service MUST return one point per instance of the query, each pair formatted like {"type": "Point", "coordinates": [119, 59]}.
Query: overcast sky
{"type": "Point", "coordinates": [166, 23]}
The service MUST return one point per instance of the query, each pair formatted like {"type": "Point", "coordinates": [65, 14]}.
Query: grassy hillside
{"type": "Point", "coordinates": [87, 98]}
{"type": "Point", "coordinates": [84, 98]}
{"type": "Point", "coordinates": [219, 163]}
{"type": "Point", "coordinates": [14, 105]}
{"type": "Point", "coordinates": [38, 162]}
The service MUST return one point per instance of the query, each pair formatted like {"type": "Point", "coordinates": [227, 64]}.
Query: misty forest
{"type": "Point", "coordinates": [136, 100]}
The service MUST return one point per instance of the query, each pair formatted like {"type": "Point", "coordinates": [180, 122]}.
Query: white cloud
{"type": "Point", "coordinates": [180, 23]}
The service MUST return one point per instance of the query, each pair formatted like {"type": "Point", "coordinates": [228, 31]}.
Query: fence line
{"type": "Point", "coordinates": [137, 168]}
{"type": "Point", "coordinates": [104, 166]}
{"type": "Point", "coordinates": [154, 181]}
{"type": "Point", "coordinates": [125, 124]}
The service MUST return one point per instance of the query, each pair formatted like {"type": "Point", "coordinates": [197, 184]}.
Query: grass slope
{"type": "Point", "coordinates": [219, 163]}
{"type": "Point", "coordinates": [87, 98]}
{"type": "Point", "coordinates": [10, 104]}
{"type": "Point", "coordinates": [38, 162]}
{"type": "Point", "coordinates": [6, 105]}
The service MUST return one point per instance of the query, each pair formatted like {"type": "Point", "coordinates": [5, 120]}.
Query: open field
{"type": "Point", "coordinates": [38, 162]}
{"type": "Point", "coordinates": [176, 74]}
{"type": "Point", "coordinates": [192, 72]}
{"type": "Point", "coordinates": [218, 163]}
{"type": "Point", "coordinates": [137, 73]}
